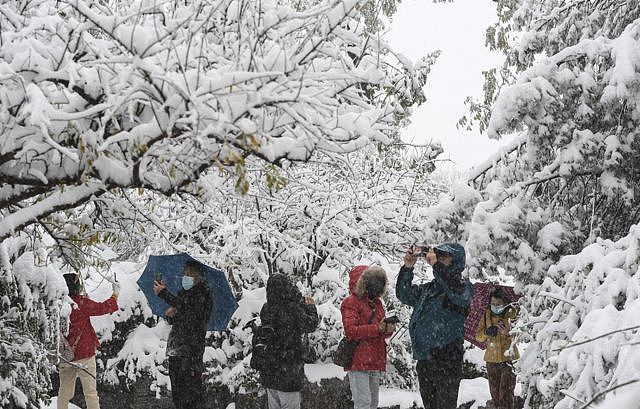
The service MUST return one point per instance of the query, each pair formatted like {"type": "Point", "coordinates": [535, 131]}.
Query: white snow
{"type": "Point", "coordinates": [54, 403]}
{"type": "Point", "coordinates": [318, 372]}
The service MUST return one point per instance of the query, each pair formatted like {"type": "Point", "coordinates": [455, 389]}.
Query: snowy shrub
{"type": "Point", "coordinates": [582, 325]}
{"type": "Point", "coordinates": [30, 303]}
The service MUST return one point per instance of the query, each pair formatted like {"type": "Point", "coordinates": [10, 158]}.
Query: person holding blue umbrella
{"type": "Point", "coordinates": [188, 313]}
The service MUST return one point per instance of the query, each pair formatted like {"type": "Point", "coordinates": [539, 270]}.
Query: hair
{"type": "Point", "coordinates": [372, 271]}
{"type": "Point", "coordinates": [499, 293]}
{"type": "Point", "coordinates": [194, 266]}
{"type": "Point", "coordinates": [73, 283]}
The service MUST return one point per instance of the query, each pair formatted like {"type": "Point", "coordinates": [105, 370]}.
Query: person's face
{"type": "Point", "coordinates": [497, 302]}
{"type": "Point", "coordinates": [444, 258]}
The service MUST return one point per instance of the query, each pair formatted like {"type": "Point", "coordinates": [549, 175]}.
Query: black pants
{"type": "Point", "coordinates": [502, 382]}
{"type": "Point", "coordinates": [187, 390]}
{"type": "Point", "coordinates": [439, 377]}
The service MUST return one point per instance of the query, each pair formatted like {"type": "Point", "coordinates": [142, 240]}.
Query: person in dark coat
{"type": "Point", "coordinates": [290, 315]}
{"type": "Point", "coordinates": [188, 314]}
{"type": "Point", "coordinates": [436, 327]}
{"type": "Point", "coordinates": [363, 321]}
{"type": "Point", "coordinates": [82, 337]}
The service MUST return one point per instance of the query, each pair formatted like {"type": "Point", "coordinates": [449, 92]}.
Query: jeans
{"type": "Point", "coordinates": [85, 369]}
{"type": "Point", "coordinates": [283, 400]}
{"type": "Point", "coordinates": [364, 389]}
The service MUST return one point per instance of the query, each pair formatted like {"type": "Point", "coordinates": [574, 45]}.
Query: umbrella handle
{"type": "Point", "coordinates": [403, 328]}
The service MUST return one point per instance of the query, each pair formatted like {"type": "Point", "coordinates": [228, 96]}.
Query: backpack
{"type": "Point", "coordinates": [263, 350]}
{"type": "Point", "coordinates": [66, 351]}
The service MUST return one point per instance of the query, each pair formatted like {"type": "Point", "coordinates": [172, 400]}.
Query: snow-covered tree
{"type": "Point", "coordinates": [107, 106]}
{"type": "Point", "coordinates": [30, 301]}
{"type": "Point", "coordinates": [310, 221]}
{"type": "Point", "coordinates": [566, 189]}
{"type": "Point", "coordinates": [145, 95]}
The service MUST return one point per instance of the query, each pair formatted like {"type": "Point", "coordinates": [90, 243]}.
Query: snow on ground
{"type": "Point", "coordinates": [470, 389]}
{"type": "Point", "coordinates": [318, 372]}
{"type": "Point", "coordinates": [391, 397]}
{"type": "Point", "coordinates": [53, 405]}
{"type": "Point", "coordinates": [474, 390]}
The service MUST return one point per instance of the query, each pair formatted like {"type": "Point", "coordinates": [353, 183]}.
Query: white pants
{"type": "Point", "coordinates": [283, 400]}
{"type": "Point", "coordinates": [365, 386]}
{"type": "Point", "coordinates": [85, 369]}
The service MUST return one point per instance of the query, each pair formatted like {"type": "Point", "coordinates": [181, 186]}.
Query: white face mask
{"type": "Point", "coordinates": [497, 309]}
{"type": "Point", "coordinates": [187, 282]}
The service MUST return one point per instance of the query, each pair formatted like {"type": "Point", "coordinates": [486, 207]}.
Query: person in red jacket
{"type": "Point", "coordinates": [84, 341]}
{"type": "Point", "coordinates": [363, 321]}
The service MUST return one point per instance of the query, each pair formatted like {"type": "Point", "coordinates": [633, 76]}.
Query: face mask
{"type": "Point", "coordinates": [187, 282]}
{"type": "Point", "coordinates": [498, 309]}
{"type": "Point", "coordinates": [375, 288]}
{"type": "Point", "coordinates": [440, 268]}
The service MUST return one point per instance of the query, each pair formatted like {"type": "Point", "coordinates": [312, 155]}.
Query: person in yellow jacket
{"type": "Point", "coordinates": [493, 329]}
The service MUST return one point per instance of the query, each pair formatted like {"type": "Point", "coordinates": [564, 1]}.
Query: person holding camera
{"type": "Point", "coordinates": [436, 327]}
{"type": "Point", "coordinates": [363, 319]}
{"type": "Point", "coordinates": [188, 314]}
{"type": "Point", "coordinates": [290, 315]}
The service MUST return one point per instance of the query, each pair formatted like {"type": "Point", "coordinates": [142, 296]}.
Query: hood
{"type": "Point", "coordinates": [280, 290]}
{"type": "Point", "coordinates": [359, 275]}
{"type": "Point", "coordinates": [457, 252]}
{"type": "Point", "coordinates": [354, 276]}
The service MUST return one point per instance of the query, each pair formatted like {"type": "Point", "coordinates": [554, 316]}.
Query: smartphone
{"type": "Point", "coordinates": [392, 319]}
{"type": "Point", "coordinates": [424, 250]}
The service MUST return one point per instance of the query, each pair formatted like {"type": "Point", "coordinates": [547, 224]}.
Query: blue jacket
{"type": "Point", "coordinates": [439, 311]}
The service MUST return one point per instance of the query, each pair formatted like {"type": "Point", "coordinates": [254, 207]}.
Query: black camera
{"type": "Point", "coordinates": [424, 250]}
{"type": "Point", "coordinates": [392, 319]}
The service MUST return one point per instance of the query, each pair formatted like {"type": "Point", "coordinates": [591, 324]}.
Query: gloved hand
{"type": "Point", "coordinates": [492, 331]}
{"type": "Point", "coordinates": [116, 288]}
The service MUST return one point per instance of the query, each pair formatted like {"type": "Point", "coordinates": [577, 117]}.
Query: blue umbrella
{"type": "Point", "coordinates": [171, 268]}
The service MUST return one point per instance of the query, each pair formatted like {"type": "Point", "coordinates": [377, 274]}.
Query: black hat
{"type": "Point", "coordinates": [73, 283]}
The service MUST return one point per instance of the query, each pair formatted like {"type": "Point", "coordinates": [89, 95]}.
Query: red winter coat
{"type": "Point", "coordinates": [356, 309]}
{"type": "Point", "coordinates": [80, 328]}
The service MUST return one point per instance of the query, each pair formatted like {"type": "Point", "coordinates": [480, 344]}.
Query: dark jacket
{"type": "Point", "coordinates": [189, 324]}
{"type": "Point", "coordinates": [286, 312]}
{"type": "Point", "coordinates": [439, 307]}
{"type": "Point", "coordinates": [361, 318]}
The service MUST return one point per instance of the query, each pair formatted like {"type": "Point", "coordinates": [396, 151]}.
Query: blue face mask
{"type": "Point", "coordinates": [498, 309]}
{"type": "Point", "coordinates": [187, 282]}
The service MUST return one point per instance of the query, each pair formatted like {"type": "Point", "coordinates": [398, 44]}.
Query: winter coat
{"type": "Point", "coordinates": [290, 317]}
{"type": "Point", "coordinates": [361, 319]}
{"type": "Point", "coordinates": [499, 344]}
{"type": "Point", "coordinates": [189, 324]}
{"type": "Point", "coordinates": [81, 332]}
{"type": "Point", "coordinates": [439, 307]}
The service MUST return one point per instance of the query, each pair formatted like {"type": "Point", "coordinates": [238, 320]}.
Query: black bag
{"type": "Point", "coordinates": [346, 349]}
{"type": "Point", "coordinates": [262, 348]}
{"type": "Point", "coordinates": [344, 353]}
